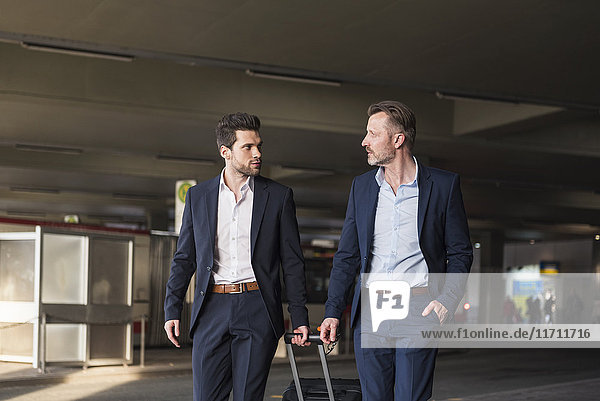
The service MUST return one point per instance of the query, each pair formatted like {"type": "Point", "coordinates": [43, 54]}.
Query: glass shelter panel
{"type": "Point", "coordinates": [65, 342]}
{"type": "Point", "coordinates": [16, 339]}
{"type": "Point", "coordinates": [64, 260]}
{"type": "Point", "coordinates": [17, 270]}
{"type": "Point", "coordinates": [110, 271]}
{"type": "Point", "coordinates": [108, 341]}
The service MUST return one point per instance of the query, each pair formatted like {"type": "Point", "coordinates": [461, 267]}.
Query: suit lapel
{"type": "Point", "coordinates": [425, 183]}
{"type": "Point", "coordinates": [211, 207]}
{"type": "Point", "coordinates": [261, 195]}
{"type": "Point", "coordinates": [370, 204]}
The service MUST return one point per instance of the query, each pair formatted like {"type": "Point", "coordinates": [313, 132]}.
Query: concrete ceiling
{"type": "Point", "coordinates": [506, 93]}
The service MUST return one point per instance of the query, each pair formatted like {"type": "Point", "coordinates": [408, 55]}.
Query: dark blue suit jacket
{"type": "Point", "coordinates": [443, 237]}
{"type": "Point", "coordinates": [274, 242]}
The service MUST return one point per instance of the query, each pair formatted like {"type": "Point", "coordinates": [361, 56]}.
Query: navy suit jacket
{"type": "Point", "coordinates": [443, 238]}
{"type": "Point", "coordinates": [274, 242]}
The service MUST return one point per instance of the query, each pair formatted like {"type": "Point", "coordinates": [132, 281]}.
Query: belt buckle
{"type": "Point", "coordinates": [238, 291]}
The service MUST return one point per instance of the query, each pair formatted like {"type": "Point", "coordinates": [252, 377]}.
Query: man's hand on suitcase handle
{"type": "Point", "coordinates": [301, 341]}
{"type": "Point", "coordinates": [329, 330]}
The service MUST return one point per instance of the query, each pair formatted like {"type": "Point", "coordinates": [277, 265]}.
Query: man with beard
{"type": "Point", "coordinates": [404, 220]}
{"type": "Point", "coordinates": [237, 230]}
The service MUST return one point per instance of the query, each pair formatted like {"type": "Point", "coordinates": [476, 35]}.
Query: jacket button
{"type": "Point", "coordinates": [202, 293]}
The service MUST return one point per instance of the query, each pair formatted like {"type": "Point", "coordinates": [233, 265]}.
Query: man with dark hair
{"type": "Point", "coordinates": [238, 229]}
{"type": "Point", "coordinates": [229, 124]}
{"type": "Point", "coordinates": [403, 219]}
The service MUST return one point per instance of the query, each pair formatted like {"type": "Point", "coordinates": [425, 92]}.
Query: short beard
{"type": "Point", "coordinates": [381, 159]}
{"type": "Point", "coordinates": [245, 170]}
{"type": "Point", "coordinates": [249, 171]}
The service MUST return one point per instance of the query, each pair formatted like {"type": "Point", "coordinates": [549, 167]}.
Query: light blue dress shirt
{"type": "Point", "coordinates": [396, 252]}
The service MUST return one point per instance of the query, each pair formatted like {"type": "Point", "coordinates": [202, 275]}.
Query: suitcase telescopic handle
{"type": "Point", "coordinates": [313, 338]}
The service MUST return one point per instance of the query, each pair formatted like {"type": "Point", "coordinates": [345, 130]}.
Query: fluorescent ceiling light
{"type": "Point", "coordinates": [120, 195]}
{"type": "Point", "coordinates": [281, 172]}
{"type": "Point", "coordinates": [117, 218]}
{"type": "Point", "coordinates": [25, 213]}
{"type": "Point", "coordinates": [475, 97]}
{"type": "Point", "coordinates": [104, 217]}
{"type": "Point", "coordinates": [37, 190]}
{"type": "Point", "coordinates": [293, 78]}
{"type": "Point", "coordinates": [309, 170]}
{"type": "Point", "coordinates": [186, 159]}
{"type": "Point", "coordinates": [50, 149]}
{"type": "Point", "coordinates": [76, 52]}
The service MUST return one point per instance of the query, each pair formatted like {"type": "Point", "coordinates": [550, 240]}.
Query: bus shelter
{"type": "Point", "coordinates": [65, 298]}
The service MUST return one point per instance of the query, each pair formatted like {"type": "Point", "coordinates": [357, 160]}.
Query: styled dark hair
{"type": "Point", "coordinates": [400, 117]}
{"type": "Point", "coordinates": [230, 123]}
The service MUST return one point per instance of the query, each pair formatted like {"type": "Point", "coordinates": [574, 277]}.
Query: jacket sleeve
{"type": "Point", "coordinates": [459, 252]}
{"type": "Point", "coordinates": [183, 265]}
{"type": "Point", "coordinates": [292, 262]}
{"type": "Point", "coordinates": [346, 263]}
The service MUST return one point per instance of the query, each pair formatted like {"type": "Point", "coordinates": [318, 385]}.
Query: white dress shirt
{"type": "Point", "coordinates": [396, 251]}
{"type": "Point", "coordinates": [232, 262]}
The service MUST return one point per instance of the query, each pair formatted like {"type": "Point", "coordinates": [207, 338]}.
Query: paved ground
{"type": "Point", "coordinates": [475, 375]}
{"type": "Point", "coordinates": [583, 390]}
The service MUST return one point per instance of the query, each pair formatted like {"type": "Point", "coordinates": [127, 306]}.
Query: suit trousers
{"type": "Point", "coordinates": [400, 373]}
{"type": "Point", "coordinates": [233, 347]}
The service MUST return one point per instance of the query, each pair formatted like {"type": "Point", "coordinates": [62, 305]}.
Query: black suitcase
{"type": "Point", "coordinates": [326, 389]}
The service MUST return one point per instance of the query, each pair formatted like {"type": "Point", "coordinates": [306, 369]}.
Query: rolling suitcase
{"type": "Point", "coordinates": [326, 389]}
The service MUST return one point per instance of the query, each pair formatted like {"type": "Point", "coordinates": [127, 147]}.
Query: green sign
{"type": "Point", "coordinates": [182, 190]}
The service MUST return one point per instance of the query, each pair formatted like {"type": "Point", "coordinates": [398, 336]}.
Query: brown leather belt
{"type": "Point", "coordinates": [418, 290]}
{"type": "Point", "coordinates": [234, 288]}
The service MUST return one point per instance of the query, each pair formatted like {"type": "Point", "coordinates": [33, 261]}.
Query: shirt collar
{"type": "Point", "coordinates": [249, 184]}
{"type": "Point", "coordinates": [380, 176]}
